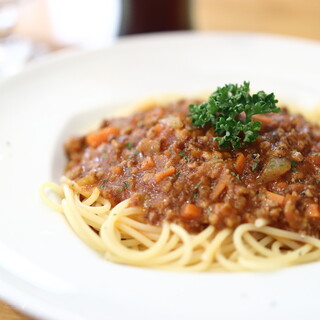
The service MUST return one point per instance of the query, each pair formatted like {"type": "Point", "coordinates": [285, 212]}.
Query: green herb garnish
{"type": "Point", "coordinates": [126, 184]}
{"type": "Point", "coordinates": [293, 163]}
{"type": "Point", "coordinates": [223, 109]}
{"type": "Point", "coordinates": [235, 175]}
{"type": "Point", "coordinates": [129, 145]}
{"type": "Point", "coordinates": [183, 155]}
{"type": "Point", "coordinates": [197, 185]}
{"type": "Point", "coordinates": [254, 165]}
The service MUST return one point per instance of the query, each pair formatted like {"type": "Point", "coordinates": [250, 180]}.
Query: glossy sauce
{"type": "Point", "coordinates": [178, 173]}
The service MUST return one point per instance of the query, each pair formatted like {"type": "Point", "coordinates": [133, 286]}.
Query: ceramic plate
{"type": "Point", "coordinates": [45, 270]}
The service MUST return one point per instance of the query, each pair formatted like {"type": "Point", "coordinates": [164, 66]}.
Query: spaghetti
{"type": "Point", "coordinates": [151, 191]}
{"type": "Point", "coordinates": [122, 238]}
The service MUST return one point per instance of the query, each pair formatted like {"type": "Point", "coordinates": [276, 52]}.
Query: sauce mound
{"type": "Point", "coordinates": [177, 172]}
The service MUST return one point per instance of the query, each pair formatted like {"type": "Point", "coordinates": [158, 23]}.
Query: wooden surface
{"type": "Point", "coordinates": [8, 313]}
{"type": "Point", "coordinates": [289, 17]}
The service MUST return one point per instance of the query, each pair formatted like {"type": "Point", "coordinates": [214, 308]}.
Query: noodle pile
{"type": "Point", "coordinates": [120, 235]}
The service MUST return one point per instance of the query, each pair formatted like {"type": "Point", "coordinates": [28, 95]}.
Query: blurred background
{"type": "Point", "coordinates": [33, 29]}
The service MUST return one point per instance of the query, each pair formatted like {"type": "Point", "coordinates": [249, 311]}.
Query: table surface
{"type": "Point", "coordinates": [290, 17]}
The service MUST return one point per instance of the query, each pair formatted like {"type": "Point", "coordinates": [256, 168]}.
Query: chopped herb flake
{"type": "Point", "coordinates": [254, 165]}
{"type": "Point", "coordinates": [129, 145]}
{"type": "Point", "coordinates": [197, 185]}
{"type": "Point", "coordinates": [236, 175]}
{"type": "Point", "coordinates": [126, 184]}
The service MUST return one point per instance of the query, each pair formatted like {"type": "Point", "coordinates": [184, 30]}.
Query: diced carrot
{"type": "Point", "coordinates": [226, 155]}
{"type": "Point", "coordinates": [282, 185]}
{"type": "Point", "coordinates": [191, 211]}
{"type": "Point", "coordinates": [157, 129]}
{"type": "Point", "coordinates": [314, 159]}
{"type": "Point", "coordinates": [313, 210]}
{"type": "Point", "coordinates": [116, 170]}
{"type": "Point", "coordinates": [164, 174]}
{"type": "Point", "coordinates": [240, 163]}
{"type": "Point", "coordinates": [277, 198]}
{"type": "Point", "coordinates": [218, 189]}
{"type": "Point", "coordinates": [147, 163]}
{"type": "Point", "coordinates": [96, 138]}
{"type": "Point", "coordinates": [262, 118]}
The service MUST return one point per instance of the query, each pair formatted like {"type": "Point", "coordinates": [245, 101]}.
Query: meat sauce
{"type": "Point", "coordinates": [177, 172]}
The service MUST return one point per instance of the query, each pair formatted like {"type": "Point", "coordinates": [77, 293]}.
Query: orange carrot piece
{"type": "Point", "coordinates": [96, 138]}
{"type": "Point", "coordinates": [279, 199]}
{"type": "Point", "coordinates": [314, 158]}
{"type": "Point", "coordinates": [117, 170]}
{"type": "Point", "coordinates": [282, 185]}
{"type": "Point", "coordinates": [262, 118]}
{"type": "Point", "coordinates": [218, 189]}
{"type": "Point", "coordinates": [240, 162]}
{"type": "Point", "coordinates": [147, 163]}
{"type": "Point", "coordinates": [164, 174]}
{"type": "Point", "coordinates": [191, 211]}
{"type": "Point", "coordinates": [313, 210]}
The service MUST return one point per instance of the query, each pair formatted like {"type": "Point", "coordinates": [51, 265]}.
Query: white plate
{"type": "Point", "coordinates": [45, 270]}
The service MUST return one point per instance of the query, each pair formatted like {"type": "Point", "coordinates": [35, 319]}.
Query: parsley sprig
{"type": "Point", "coordinates": [223, 109]}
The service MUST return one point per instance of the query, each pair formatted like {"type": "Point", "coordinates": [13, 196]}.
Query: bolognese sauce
{"type": "Point", "coordinates": [178, 173]}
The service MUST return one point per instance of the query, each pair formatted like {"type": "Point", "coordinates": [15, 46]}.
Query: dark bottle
{"type": "Point", "coordinates": [142, 16]}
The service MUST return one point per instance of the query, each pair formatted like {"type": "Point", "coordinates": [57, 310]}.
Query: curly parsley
{"type": "Point", "coordinates": [223, 109]}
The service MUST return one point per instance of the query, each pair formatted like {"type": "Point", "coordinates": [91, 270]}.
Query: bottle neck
{"type": "Point", "coordinates": [143, 16]}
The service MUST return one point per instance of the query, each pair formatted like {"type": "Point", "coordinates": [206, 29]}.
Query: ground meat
{"type": "Point", "coordinates": [178, 173]}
